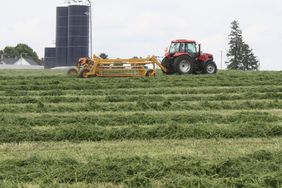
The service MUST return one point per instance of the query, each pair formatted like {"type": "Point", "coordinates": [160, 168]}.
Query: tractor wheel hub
{"type": "Point", "coordinates": [210, 69]}
{"type": "Point", "coordinates": [184, 66]}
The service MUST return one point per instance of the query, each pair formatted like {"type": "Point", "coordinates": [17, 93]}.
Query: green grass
{"type": "Point", "coordinates": [155, 162]}
{"type": "Point", "coordinates": [218, 131]}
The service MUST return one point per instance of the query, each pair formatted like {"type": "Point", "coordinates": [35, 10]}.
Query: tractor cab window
{"type": "Point", "coordinates": [183, 47]}
{"type": "Point", "coordinates": [191, 48]}
{"type": "Point", "coordinates": [177, 47]}
{"type": "Point", "coordinates": [174, 48]}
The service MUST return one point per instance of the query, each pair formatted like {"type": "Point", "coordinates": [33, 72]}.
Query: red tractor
{"type": "Point", "coordinates": [183, 58]}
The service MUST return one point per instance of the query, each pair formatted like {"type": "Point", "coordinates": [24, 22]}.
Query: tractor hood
{"type": "Point", "coordinates": [205, 57]}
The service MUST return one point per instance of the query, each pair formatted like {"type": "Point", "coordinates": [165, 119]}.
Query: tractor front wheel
{"type": "Point", "coordinates": [83, 73]}
{"type": "Point", "coordinates": [183, 65]}
{"type": "Point", "coordinates": [210, 68]}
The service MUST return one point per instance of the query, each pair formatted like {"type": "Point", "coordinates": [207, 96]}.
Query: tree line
{"type": "Point", "coordinates": [21, 50]}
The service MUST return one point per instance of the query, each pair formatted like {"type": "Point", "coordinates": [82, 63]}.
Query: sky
{"type": "Point", "coordinates": [127, 28]}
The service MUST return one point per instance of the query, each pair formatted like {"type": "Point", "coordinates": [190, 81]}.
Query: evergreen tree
{"type": "Point", "coordinates": [240, 56]}
{"type": "Point", "coordinates": [1, 55]}
{"type": "Point", "coordinates": [235, 52]}
{"type": "Point", "coordinates": [249, 61]}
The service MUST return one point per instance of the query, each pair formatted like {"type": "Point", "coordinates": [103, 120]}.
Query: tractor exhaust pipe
{"type": "Point", "coordinates": [200, 49]}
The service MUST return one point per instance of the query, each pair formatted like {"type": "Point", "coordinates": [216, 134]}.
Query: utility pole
{"type": "Point", "coordinates": [221, 56]}
{"type": "Point", "coordinates": [90, 25]}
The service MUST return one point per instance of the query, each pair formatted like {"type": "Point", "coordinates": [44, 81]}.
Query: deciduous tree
{"type": "Point", "coordinates": [103, 55]}
{"type": "Point", "coordinates": [21, 50]}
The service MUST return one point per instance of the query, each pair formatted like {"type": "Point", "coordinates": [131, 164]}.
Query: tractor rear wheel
{"type": "Point", "coordinates": [165, 63]}
{"type": "Point", "coordinates": [210, 67]}
{"type": "Point", "coordinates": [83, 73]}
{"type": "Point", "coordinates": [183, 65]}
{"type": "Point", "coordinates": [72, 72]}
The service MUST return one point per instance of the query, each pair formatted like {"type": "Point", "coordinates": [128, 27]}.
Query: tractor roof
{"type": "Point", "coordinates": [184, 41]}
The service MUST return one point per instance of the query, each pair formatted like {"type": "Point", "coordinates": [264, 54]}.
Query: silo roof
{"type": "Point", "coordinates": [77, 2]}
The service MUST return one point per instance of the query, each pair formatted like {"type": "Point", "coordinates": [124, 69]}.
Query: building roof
{"type": "Point", "coordinates": [8, 61]}
{"type": "Point", "coordinates": [18, 61]}
{"type": "Point", "coordinates": [77, 2]}
{"type": "Point", "coordinates": [31, 61]}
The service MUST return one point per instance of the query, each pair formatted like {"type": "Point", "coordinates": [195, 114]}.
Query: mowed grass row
{"type": "Point", "coordinates": [135, 98]}
{"type": "Point", "coordinates": [201, 90]}
{"type": "Point", "coordinates": [166, 105]}
{"type": "Point", "coordinates": [108, 119]}
{"type": "Point", "coordinates": [80, 132]}
{"type": "Point", "coordinates": [50, 82]}
{"type": "Point", "coordinates": [155, 163]}
{"type": "Point", "coordinates": [205, 149]}
{"type": "Point", "coordinates": [117, 126]}
{"type": "Point", "coordinates": [146, 83]}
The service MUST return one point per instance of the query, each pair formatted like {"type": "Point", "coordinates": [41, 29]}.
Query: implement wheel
{"type": "Point", "coordinates": [72, 72]}
{"type": "Point", "coordinates": [183, 65]}
{"type": "Point", "coordinates": [165, 63]}
{"type": "Point", "coordinates": [83, 73]}
{"type": "Point", "coordinates": [149, 73]}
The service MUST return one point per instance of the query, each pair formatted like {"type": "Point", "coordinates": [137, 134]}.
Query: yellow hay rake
{"type": "Point", "coordinates": [98, 67]}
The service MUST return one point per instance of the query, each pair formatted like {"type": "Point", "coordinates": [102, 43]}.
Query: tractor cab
{"type": "Point", "coordinates": [183, 46]}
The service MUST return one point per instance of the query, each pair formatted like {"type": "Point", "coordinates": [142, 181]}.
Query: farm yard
{"type": "Point", "coordinates": [212, 131]}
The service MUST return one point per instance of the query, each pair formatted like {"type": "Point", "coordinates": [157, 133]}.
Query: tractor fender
{"type": "Point", "coordinates": [203, 64]}
{"type": "Point", "coordinates": [181, 54]}
{"type": "Point", "coordinates": [208, 61]}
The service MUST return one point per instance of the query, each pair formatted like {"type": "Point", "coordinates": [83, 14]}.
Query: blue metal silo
{"type": "Point", "coordinates": [78, 33]}
{"type": "Point", "coordinates": [62, 36]}
{"type": "Point", "coordinates": [50, 57]}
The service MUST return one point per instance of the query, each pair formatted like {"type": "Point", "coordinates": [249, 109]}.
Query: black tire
{"type": "Point", "coordinates": [72, 72]}
{"type": "Point", "coordinates": [165, 63]}
{"type": "Point", "coordinates": [183, 65]}
{"type": "Point", "coordinates": [83, 73]}
{"type": "Point", "coordinates": [210, 68]}
{"type": "Point", "coordinates": [149, 72]}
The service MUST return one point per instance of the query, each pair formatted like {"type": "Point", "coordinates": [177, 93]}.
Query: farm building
{"type": "Point", "coordinates": [7, 61]}
{"type": "Point", "coordinates": [19, 63]}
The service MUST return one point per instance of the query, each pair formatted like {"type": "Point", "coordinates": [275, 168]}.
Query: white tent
{"type": "Point", "coordinates": [22, 61]}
